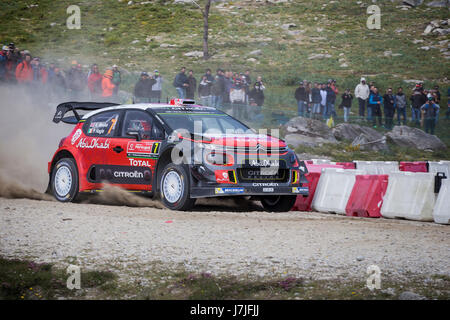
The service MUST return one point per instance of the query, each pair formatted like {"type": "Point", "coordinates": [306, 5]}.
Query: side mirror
{"type": "Point", "coordinates": [135, 134]}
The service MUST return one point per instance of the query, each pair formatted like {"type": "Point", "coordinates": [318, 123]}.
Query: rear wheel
{"type": "Point", "coordinates": [174, 188]}
{"type": "Point", "coordinates": [278, 203]}
{"type": "Point", "coordinates": [64, 180]}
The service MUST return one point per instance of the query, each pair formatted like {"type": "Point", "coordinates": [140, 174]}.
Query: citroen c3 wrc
{"type": "Point", "coordinates": [178, 150]}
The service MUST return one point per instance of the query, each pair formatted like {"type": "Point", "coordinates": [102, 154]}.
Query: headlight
{"type": "Point", "coordinates": [219, 159]}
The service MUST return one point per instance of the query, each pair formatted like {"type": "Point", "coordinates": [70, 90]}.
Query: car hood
{"type": "Point", "coordinates": [245, 140]}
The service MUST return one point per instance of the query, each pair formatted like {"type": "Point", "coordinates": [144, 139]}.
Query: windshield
{"type": "Point", "coordinates": [204, 123]}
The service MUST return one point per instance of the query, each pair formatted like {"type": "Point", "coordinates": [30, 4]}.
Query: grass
{"type": "Point", "coordinates": [27, 280]}
{"type": "Point", "coordinates": [23, 279]}
{"type": "Point", "coordinates": [108, 30]}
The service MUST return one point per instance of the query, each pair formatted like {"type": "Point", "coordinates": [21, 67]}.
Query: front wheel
{"type": "Point", "coordinates": [278, 203]}
{"type": "Point", "coordinates": [64, 180]}
{"type": "Point", "coordinates": [174, 188]}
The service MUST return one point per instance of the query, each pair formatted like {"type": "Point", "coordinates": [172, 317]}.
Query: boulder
{"type": "Point", "coordinates": [405, 136]}
{"type": "Point", "coordinates": [366, 142]}
{"type": "Point", "coordinates": [347, 131]}
{"type": "Point", "coordinates": [413, 3]}
{"type": "Point", "coordinates": [439, 4]}
{"type": "Point", "coordinates": [297, 140]}
{"type": "Point", "coordinates": [309, 127]}
{"type": "Point", "coordinates": [197, 54]}
{"type": "Point", "coordinates": [319, 56]}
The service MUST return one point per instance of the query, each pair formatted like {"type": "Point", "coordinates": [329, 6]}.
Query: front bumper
{"type": "Point", "coordinates": [239, 190]}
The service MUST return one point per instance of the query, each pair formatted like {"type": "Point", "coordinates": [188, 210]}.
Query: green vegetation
{"type": "Point", "coordinates": [21, 279]}
{"type": "Point", "coordinates": [29, 280]}
{"type": "Point", "coordinates": [109, 31]}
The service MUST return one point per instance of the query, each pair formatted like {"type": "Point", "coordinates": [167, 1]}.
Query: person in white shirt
{"type": "Point", "coordinates": [323, 94]}
{"type": "Point", "coordinates": [362, 93]}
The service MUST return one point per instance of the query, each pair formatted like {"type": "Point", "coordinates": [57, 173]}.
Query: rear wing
{"type": "Point", "coordinates": [65, 107]}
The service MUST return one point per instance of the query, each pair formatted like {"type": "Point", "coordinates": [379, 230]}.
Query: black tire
{"type": "Point", "coordinates": [182, 201]}
{"type": "Point", "coordinates": [278, 203]}
{"type": "Point", "coordinates": [70, 193]}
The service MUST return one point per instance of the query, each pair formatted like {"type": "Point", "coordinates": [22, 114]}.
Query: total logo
{"type": "Point", "coordinates": [139, 163]}
{"type": "Point", "coordinates": [124, 174]}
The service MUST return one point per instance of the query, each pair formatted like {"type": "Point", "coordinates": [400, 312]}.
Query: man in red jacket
{"type": "Point", "coordinates": [24, 71]}
{"type": "Point", "coordinates": [95, 83]}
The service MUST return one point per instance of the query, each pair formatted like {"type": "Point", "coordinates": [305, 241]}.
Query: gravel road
{"type": "Point", "coordinates": [221, 241]}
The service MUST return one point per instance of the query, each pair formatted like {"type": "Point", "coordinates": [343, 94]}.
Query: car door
{"type": "Point", "coordinates": [134, 153]}
{"type": "Point", "coordinates": [94, 144]}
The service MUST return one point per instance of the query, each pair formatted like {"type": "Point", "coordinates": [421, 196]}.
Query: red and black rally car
{"type": "Point", "coordinates": [179, 150]}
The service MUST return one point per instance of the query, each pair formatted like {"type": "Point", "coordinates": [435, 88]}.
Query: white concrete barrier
{"type": "Point", "coordinates": [377, 167]}
{"type": "Point", "coordinates": [333, 189]}
{"type": "Point", "coordinates": [409, 195]}
{"type": "Point", "coordinates": [321, 161]}
{"type": "Point", "coordinates": [441, 166]}
{"type": "Point", "coordinates": [441, 212]}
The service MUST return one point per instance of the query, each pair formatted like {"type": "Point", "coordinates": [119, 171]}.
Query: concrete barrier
{"type": "Point", "coordinates": [333, 189]}
{"type": "Point", "coordinates": [441, 211]}
{"type": "Point", "coordinates": [409, 195]}
{"type": "Point", "coordinates": [377, 167]}
{"type": "Point", "coordinates": [441, 166]}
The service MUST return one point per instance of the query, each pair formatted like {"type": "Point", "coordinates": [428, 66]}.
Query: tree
{"type": "Point", "coordinates": [205, 13]}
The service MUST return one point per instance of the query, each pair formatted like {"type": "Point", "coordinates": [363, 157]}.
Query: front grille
{"type": "Point", "coordinates": [260, 150]}
{"type": "Point", "coordinates": [255, 175]}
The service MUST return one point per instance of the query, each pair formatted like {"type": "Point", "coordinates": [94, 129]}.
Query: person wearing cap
{"type": "Point", "coordinates": [300, 97]}
{"type": "Point", "coordinates": [24, 71]}
{"type": "Point", "coordinates": [375, 102]}
{"type": "Point", "coordinates": [95, 83]}
{"type": "Point", "coordinates": [108, 85]}
{"type": "Point", "coordinates": [117, 78]}
{"type": "Point", "coordinates": [204, 91]}
{"type": "Point", "coordinates": [157, 87]}
{"type": "Point", "coordinates": [143, 88]}
{"type": "Point", "coordinates": [430, 111]}
{"type": "Point", "coordinates": [418, 99]}
{"type": "Point", "coordinates": [362, 94]}
{"type": "Point", "coordinates": [217, 89]}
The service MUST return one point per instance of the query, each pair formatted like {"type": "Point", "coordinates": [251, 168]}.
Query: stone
{"type": "Point", "coordinates": [288, 26]}
{"type": "Point", "coordinates": [251, 60]}
{"type": "Point", "coordinates": [255, 52]}
{"type": "Point", "coordinates": [319, 56]}
{"type": "Point", "coordinates": [428, 29]}
{"type": "Point", "coordinates": [439, 4]}
{"type": "Point", "coordinates": [409, 295]}
{"type": "Point", "coordinates": [413, 3]}
{"type": "Point", "coordinates": [347, 131]}
{"type": "Point", "coordinates": [309, 127]}
{"type": "Point", "coordinates": [166, 45]}
{"type": "Point", "coordinates": [366, 142]}
{"type": "Point", "coordinates": [297, 140]}
{"type": "Point", "coordinates": [410, 137]}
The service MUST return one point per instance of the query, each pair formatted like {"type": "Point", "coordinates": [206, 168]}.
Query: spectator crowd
{"type": "Point", "coordinates": [318, 101]}
{"type": "Point", "coordinates": [19, 67]}
{"type": "Point", "coordinates": [226, 90]}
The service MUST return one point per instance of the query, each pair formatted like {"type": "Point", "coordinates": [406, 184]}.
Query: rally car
{"type": "Point", "coordinates": [177, 150]}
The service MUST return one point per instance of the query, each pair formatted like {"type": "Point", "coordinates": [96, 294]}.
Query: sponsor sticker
{"type": "Point", "coordinates": [139, 163]}
{"type": "Point", "coordinates": [268, 189]}
{"type": "Point", "coordinates": [302, 190]}
{"type": "Point", "coordinates": [229, 190]}
{"type": "Point", "coordinates": [94, 143]}
{"type": "Point", "coordinates": [138, 149]}
{"type": "Point", "coordinates": [76, 135]}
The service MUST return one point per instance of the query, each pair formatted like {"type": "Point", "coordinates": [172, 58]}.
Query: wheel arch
{"type": "Point", "coordinates": [58, 156]}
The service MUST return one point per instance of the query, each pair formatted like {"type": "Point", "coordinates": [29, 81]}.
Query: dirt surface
{"type": "Point", "coordinates": [220, 240]}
